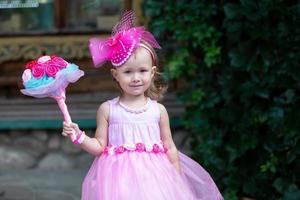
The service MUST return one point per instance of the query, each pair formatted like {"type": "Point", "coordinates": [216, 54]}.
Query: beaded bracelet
{"type": "Point", "coordinates": [80, 137]}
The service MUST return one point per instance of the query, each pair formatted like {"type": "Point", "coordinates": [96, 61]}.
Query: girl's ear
{"type": "Point", "coordinates": [153, 71]}
{"type": "Point", "coordinates": [114, 73]}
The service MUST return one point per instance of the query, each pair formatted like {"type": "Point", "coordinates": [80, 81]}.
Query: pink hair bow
{"type": "Point", "coordinates": [120, 46]}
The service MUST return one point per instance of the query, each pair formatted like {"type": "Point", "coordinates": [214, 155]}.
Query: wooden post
{"type": "Point", "coordinates": [60, 10]}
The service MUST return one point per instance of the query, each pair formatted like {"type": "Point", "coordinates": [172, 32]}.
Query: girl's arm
{"type": "Point", "coordinates": [97, 144]}
{"type": "Point", "coordinates": [166, 136]}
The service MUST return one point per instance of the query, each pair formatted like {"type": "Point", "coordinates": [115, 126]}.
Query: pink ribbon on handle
{"type": "Point", "coordinates": [64, 109]}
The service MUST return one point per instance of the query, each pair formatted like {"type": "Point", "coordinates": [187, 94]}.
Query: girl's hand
{"type": "Point", "coordinates": [69, 129]}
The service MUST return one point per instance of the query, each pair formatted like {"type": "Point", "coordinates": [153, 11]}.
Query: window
{"type": "Point", "coordinates": [34, 17]}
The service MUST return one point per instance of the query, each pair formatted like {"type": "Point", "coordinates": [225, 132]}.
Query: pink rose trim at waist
{"type": "Point", "coordinates": [138, 147]}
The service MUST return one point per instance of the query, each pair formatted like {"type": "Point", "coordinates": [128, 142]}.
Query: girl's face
{"type": "Point", "coordinates": [135, 76]}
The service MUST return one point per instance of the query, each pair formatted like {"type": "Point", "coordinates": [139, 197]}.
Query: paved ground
{"type": "Point", "coordinates": [41, 185]}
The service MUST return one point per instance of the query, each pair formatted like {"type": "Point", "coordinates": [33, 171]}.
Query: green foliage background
{"type": "Point", "coordinates": [238, 66]}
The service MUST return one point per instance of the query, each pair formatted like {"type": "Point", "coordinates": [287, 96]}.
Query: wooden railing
{"type": "Point", "coordinates": [33, 113]}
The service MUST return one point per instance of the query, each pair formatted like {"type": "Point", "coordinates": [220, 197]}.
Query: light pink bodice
{"type": "Point", "coordinates": [131, 126]}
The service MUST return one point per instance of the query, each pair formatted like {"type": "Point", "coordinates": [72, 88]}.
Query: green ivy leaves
{"type": "Point", "coordinates": [237, 68]}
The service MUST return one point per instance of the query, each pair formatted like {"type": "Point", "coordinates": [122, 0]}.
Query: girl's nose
{"type": "Point", "coordinates": [135, 78]}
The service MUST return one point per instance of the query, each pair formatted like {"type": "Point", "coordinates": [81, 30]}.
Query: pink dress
{"type": "Point", "coordinates": [134, 166]}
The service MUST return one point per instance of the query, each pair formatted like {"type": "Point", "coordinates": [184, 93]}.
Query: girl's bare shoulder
{"type": "Point", "coordinates": [103, 109]}
{"type": "Point", "coordinates": [162, 108]}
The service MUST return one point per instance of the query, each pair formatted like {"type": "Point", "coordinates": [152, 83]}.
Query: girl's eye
{"type": "Point", "coordinates": [127, 72]}
{"type": "Point", "coordinates": [144, 70]}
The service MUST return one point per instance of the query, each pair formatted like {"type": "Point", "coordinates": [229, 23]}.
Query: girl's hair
{"type": "Point", "coordinates": [158, 85]}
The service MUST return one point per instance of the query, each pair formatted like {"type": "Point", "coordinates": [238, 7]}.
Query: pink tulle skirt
{"type": "Point", "coordinates": [147, 176]}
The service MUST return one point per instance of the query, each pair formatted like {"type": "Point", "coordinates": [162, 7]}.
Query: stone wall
{"type": "Point", "coordinates": [41, 149]}
{"type": "Point", "coordinates": [49, 150]}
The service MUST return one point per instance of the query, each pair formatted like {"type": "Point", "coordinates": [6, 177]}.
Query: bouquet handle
{"type": "Point", "coordinates": [64, 109]}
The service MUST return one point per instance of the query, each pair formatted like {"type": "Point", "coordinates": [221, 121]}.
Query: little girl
{"type": "Point", "coordinates": [136, 157]}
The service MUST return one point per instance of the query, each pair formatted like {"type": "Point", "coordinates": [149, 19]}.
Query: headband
{"type": "Point", "coordinates": [124, 41]}
{"type": "Point", "coordinates": [150, 51]}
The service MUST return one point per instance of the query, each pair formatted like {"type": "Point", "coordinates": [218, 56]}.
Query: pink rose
{"type": "Point", "coordinates": [120, 149]}
{"type": "Point", "coordinates": [38, 71]}
{"type": "Point", "coordinates": [156, 148]}
{"type": "Point", "coordinates": [140, 147]}
{"type": "Point", "coordinates": [51, 69]}
{"type": "Point", "coordinates": [105, 150]}
{"type": "Point", "coordinates": [59, 62]}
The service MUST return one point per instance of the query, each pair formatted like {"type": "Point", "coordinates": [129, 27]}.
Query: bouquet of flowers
{"type": "Point", "coordinates": [48, 76]}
